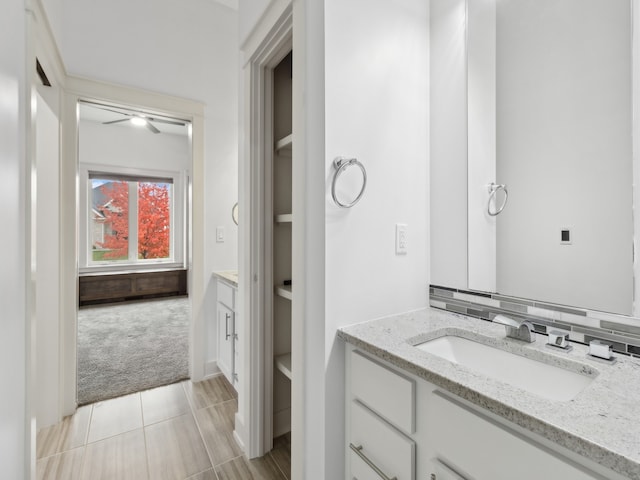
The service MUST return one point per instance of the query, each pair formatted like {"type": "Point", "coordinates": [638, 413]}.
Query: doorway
{"type": "Point", "coordinates": [133, 209]}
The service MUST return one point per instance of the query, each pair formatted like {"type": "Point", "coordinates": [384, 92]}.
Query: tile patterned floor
{"type": "Point", "coordinates": [182, 431]}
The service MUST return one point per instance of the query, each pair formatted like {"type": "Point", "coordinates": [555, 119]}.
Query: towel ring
{"type": "Point", "coordinates": [341, 164]}
{"type": "Point", "coordinates": [493, 189]}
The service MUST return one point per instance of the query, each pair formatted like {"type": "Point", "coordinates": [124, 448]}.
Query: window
{"type": "Point", "coordinates": [132, 219]}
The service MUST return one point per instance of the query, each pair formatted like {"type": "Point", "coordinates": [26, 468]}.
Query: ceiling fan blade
{"type": "Point", "coordinates": [151, 127]}
{"type": "Point", "coordinates": [106, 109]}
{"type": "Point", "coordinates": [116, 121]}
{"type": "Point", "coordinates": [169, 122]}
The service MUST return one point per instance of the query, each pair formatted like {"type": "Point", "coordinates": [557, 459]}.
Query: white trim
{"type": "Point", "coordinates": [255, 283]}
{"type": "Point", "coordinates": [211, 369]}
{"type": "Point", "coordinates": [263, 31]}
{"type": "Point", "coordinates": [87, 90]}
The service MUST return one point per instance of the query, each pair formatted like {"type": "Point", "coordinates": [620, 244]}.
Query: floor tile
{"type": "Point", "coordinates": [65, 465]}
{"type": "Point", "coordinates": [163, 403]}
{"type": "Point", "coordinates": [216, 425]}
{"type": "Point", "coordinates": [175, 449]}
{"type": "Point", "coordinates": [115, 416]}
{"type": "Point", "coordinates": [47, 441]}
{"type": "Point", "coordinates": [240, 468]}
{"type": "Point", "coordinates": [66, 435]}
{"type": "Point", "coordinates": [122, 457]}
{"type": "Point", "coordinates": [208, 475]}
{"type": "Point", "coordinates": [209, 392]}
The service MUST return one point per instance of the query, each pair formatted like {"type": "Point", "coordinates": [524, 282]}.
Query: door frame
{"type": "Point", "coordinates": [78, 89]}
{"type": "Point", "coordinates": [269, 43]}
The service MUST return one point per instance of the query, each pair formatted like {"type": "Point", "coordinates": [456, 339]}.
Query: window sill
{"type": "Point", "coordinates": [129, 268]}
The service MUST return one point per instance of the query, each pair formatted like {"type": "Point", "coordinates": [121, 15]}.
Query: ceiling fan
{"type": "Point", "coordinates": [141, 120]}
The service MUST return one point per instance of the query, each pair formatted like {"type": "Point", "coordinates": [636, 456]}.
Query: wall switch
{"type": "Point", "coordinates": [220, 234]}
{"type": "Point", "coordinates": [401, 239]}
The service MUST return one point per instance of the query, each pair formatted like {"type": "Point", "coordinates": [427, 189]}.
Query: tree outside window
{"type": "Point", "coordinates": [126, 210]}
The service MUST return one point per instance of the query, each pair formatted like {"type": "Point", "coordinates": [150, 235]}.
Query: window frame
{"type": "Point", "coordinates": [178, 224]}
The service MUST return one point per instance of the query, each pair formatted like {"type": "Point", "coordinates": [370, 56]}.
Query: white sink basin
{"type": "Point", "coordinates": [545, 380]}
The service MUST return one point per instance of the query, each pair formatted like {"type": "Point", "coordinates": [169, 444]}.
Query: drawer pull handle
{"type": "Point", "coordinates": [366, 460]}
{"type": "Point", "coordinates": [226, 326]}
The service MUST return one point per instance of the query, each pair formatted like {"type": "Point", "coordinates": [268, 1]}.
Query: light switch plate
{"type": "Point", "coordinates": [220, 234]}
{"type": "Point", "coordinates": [401, 239]}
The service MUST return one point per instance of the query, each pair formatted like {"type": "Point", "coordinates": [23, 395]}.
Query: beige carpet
{"type": "Point", "coordinates": [131, 347]}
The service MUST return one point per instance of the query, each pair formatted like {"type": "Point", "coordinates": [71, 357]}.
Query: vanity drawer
{"type": "Point", "coordinates": [386, 392]}
{"type": "Point", "coordinates": [226, 295]}
{"type": "Point", "coordinates": [383, 446]}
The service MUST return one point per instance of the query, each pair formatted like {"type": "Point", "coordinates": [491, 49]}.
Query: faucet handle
{"type": "Point", "coordinates": [558, 338]}
{"type": "Point", "coordinates": [600, 349]}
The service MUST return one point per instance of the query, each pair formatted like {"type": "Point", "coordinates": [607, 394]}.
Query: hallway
{"type": "Point", "coordinates": [177, 432]}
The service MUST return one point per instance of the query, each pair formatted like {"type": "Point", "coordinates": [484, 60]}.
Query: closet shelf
{"type": "Point", "coordinates": [283, 146]}
{"type": "Point", "coordinates": [284, 291]}
{"type": "Point", "coordinates": [284, 218]}
{"type": "Point", "coordinates": [283, 364]}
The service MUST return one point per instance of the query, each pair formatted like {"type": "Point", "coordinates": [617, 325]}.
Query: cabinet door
{"type": "Point", "coordinates": [476, 447]}
{"type": "Point", "coordinates": [225, 341]}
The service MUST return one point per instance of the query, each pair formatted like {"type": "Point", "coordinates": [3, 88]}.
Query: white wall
{"type": "Point", "coordinates": [14, 452]}
{"type": "Point", "coordinates": [128, 147]}
{"type": "Point", "coordinates": [361, 88]}
{"type": "Point", "coordinates": [564, 149]}
{"type": "Point", "coordinates": [132, 147]}
{"type": "Point", "coordinates": [54, 11]}
{"type": "Point", "coordinates": [249, 14]}
{"type": "Point", "coordinates": [448, 160]}
{"type": "Point", "coordinates": [48, 263]}
{"type": "Point", "coordinates": [376, 109]}
{"type": "Point", "coordinates": [185, 49]}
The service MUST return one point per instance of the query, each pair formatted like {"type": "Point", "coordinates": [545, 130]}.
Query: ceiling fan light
{"type": "Point", "coordinates": [138, 121]}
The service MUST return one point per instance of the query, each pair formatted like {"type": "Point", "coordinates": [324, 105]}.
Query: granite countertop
{"type": "Point", "coordinates": [601, 423]}
{"type": "Point", "coordinates": [230, 276]}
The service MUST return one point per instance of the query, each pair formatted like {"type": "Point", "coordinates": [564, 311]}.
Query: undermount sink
{"type": "Point", "coordinates": [543, 379]}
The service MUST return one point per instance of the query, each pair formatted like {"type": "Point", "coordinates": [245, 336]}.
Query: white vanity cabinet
{"type": "Point", "coordinates": [410, 429]}
{"type": "Point", "coordinates": [226, 328]}
{"type": "Point", "coordinates": [381, 412]}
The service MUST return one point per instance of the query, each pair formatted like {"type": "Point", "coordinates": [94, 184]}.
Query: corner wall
{"type": "Point", "coordinates": [377, 109]}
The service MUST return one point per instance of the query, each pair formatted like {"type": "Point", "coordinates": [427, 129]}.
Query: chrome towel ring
{"type": "Point", "coordinates": [493, 189]}
{"type": "Point", "coordinates": [341, 164]}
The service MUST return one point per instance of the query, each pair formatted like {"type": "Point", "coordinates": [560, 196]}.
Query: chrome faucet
{"type": "Point", "coordinates": [518, 329]}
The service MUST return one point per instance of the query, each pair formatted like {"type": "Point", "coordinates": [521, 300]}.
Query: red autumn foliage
{"type": "Point", "coordinates": [154, 224]}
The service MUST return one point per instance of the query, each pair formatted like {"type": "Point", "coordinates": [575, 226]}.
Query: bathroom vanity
{"type": "Point", "coordinates": [413, 411]}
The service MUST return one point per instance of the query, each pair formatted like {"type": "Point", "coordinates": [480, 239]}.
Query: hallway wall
{"type": "Point", "coordinates": [14, 412]}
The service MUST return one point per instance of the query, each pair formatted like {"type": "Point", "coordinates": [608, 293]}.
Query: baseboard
{"type": "Point", "coordinates": [239, 432]}
{"type": "Point", "coordinates": [281, 422]}
{"type": "Point", "coordinates": [211, 369]}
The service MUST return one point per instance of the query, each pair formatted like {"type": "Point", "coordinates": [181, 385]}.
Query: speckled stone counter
{"type": "Point", "coordinates": [229, 276]}
{"type": "Point", "coordinates": [601, 423]}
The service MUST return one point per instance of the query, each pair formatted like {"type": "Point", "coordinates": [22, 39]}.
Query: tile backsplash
{"type": "Point", "coordinates": [622, 332]}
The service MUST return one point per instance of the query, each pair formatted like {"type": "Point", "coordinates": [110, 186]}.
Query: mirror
{"type": "Point", "coordinates": [549, 114]}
